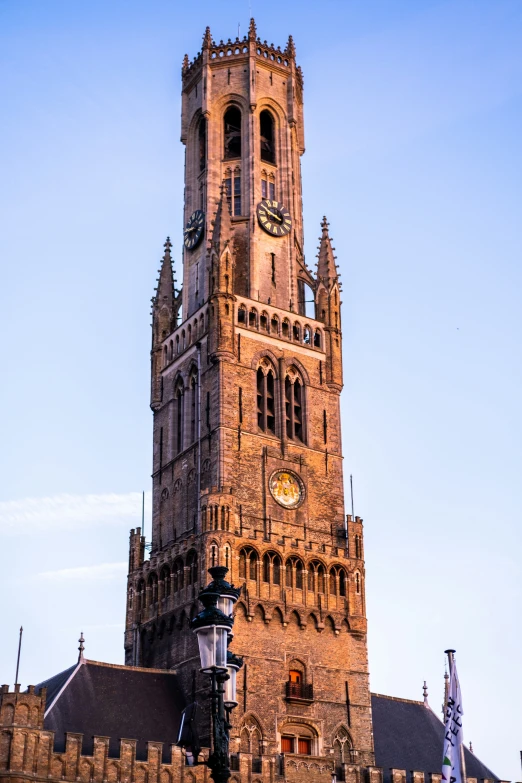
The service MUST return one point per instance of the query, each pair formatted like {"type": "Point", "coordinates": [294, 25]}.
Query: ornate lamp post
{"type": "Point", "coordinates": [213, 628]}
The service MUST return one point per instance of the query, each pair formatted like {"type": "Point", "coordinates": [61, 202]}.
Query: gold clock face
{"type": "Point", "coordinates": [287, 488]}
{"type": "Point", "coordinates": [274, 218]}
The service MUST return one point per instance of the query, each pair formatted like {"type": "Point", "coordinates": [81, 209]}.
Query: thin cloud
{"type": "Point", "coordinates": [100, 572]}
{"type": "Point", "coordinates": [72, 512]}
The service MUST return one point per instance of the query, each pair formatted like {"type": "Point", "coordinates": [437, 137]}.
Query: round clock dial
{"type": "Point", "coordinates": [287, 488]}
{"type": "Point", "coordinates": [274, 218]}
{"type": "Point", "coordinates": [194, 229]}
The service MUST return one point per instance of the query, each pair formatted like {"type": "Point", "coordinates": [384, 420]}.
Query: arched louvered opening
{"type": "Point", "coordinates": [294, 408]}
{"type": "Point", "coordinates": [265, 401]}
{"type": "Point", "coordinates": [266, 129]}
{"type": "Point", "coordinates": [179, 399]}
{"type": "Point", "coordinates": [232, 133]}
{"type": "Point", "coordinates": [202, 144]}
{"type": "Point", "coordinates": [193, 385]}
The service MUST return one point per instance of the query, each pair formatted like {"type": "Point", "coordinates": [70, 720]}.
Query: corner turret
{"type": "Point", "coordinates": [221, 263]}
{"type": "Point", "coordinates": [165, 307]}
{"type": "Point", "coordinates": [328, 307]}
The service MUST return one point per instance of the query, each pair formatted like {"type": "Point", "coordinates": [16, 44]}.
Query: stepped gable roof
{"type": "Point", "coordinates": [107, 700]}
{"type": "Point", "coordinates": [408, 735]}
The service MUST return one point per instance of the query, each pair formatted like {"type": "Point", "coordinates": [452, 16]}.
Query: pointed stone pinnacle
{"type": "Point", "coordinates": [165, 287]}
{"type": "Point", "coordinates": [185, 63]}
{"type": "Point", "coordinates": [207, 39]}
{"type": "Point", "coordinates": [290, 46]}
{"type": "Point", "coordinates": [326, 267]}
{"type": "Point", "coordinates": [252, 31]}
{"type": "Point", "coordinates": [222, 225]}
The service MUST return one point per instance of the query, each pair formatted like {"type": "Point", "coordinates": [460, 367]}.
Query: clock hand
{"type": "Point", "coordinates": [274, 215]}
{"type": "Point", "coordinates": [188, 230]}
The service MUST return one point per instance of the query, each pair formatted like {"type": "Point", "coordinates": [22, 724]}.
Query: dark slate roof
{"type": "Point", "coordinates": [118, 702]}
{"type": "Point", "coordinates": [55, 684]}
{"type": "Point", "coordinates": [409, 736]}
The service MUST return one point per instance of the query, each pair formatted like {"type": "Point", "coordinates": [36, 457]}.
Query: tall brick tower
{"type": "Point", "coordinates": [247, 465]}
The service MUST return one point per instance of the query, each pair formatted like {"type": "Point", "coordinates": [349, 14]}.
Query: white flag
{"type": "Point", "coordinates": [452, 771]}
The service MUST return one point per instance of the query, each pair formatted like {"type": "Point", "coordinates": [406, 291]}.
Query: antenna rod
{"type": "Point", "coordinates": [351, 492]}
{"type": "Point", "coordinates": [18, 658]}
{"type": "Point", "coordinates": [143, 513]}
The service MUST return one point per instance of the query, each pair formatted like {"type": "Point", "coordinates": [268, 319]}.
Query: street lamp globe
{"type": "Point", "coordinates": [212, 627]}
{"type": "Point", "coordinates": [234, 663]}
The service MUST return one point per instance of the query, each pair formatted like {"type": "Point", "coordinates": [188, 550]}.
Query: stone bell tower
{"type": "Point", "coordinates": [247, 465]}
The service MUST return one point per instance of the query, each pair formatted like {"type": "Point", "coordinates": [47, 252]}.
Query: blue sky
{"type": "Point", "coordinates": [413, 124]}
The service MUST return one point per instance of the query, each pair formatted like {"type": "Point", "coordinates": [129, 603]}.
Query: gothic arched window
{"type": "Point", "coordinates": [152, 586]}
{"type": "Point", "coordinates": [165, 578]}
{"type": "Point", "coordinates": [294, 408]}
{"type": "Point", "coordinates": [202, 144]}
{"type": "Point", "coordinates": [265, 401]}
{"type": "Point", "coordinates": [266, 129]}
{"type": "Point", "coordinates": [341, 748]}
{"type": "Point", "coordinates": [342, 582]}
{"type": "Point", "coordinates": [316, 577]}
{"type": "Point", "coordinates": [193, 405]}
{"type": "Point", "coordinates": [272, 568]}
{"type": "Point", "coordinates": [232, 133]}
{"type": "Point", "coordinates": [179, 398]}
{"type": "Point", "coordinates": [178, 571]}
{"type": "Point", "coordinates": [294, 565]}
{"type": "Point", "coordinates": [248, 562]}
{"type": "Point", "coordinates": [337, 581]}
{"type": "Point", "coordinates": [192, 566]}
{"type": "Point", "coordinates": [140, 595]}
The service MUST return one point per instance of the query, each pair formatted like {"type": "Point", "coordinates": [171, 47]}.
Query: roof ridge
{"type": "Point", "coordinates": [130, 668]}
{"type": "Point", "coordinates": [64, 686]}
{"type": "Point", "coordinates": [397, 698]}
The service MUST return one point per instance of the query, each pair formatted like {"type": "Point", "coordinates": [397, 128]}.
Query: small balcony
{"type": "Point", "coordinates": [299, 691]}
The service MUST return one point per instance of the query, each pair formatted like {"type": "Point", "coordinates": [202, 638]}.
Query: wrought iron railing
{"type": "Point", "coordinates": [299, 690]}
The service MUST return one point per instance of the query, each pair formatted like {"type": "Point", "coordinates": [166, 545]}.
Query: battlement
{"type": "Point", "coordinates": [25, 709]}
{"type": "Point", "coordinates": [239, 49]}
{"type": "Point", "coordinates": [31, 752]}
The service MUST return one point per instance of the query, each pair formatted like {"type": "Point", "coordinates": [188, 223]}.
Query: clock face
{"type": "Point", "coordinates": [194, 229]}
{"type": "Point", "coordinates": [274, 218]}
{"type": "Point", "coordinates": [287, 488]}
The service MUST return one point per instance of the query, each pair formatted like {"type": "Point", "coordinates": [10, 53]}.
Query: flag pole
{"type": "Point", "coordinates": [451, 663]}
{"type": "Point", "coordinates": [18, 658]}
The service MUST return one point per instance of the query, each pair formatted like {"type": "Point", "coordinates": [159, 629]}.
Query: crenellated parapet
{"type": "Point", "coordinates": [22, 709]}
{"type": "Point", "coordinates": [237, 49]}
{"type": "Point", "coordinates": [28, 750]}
